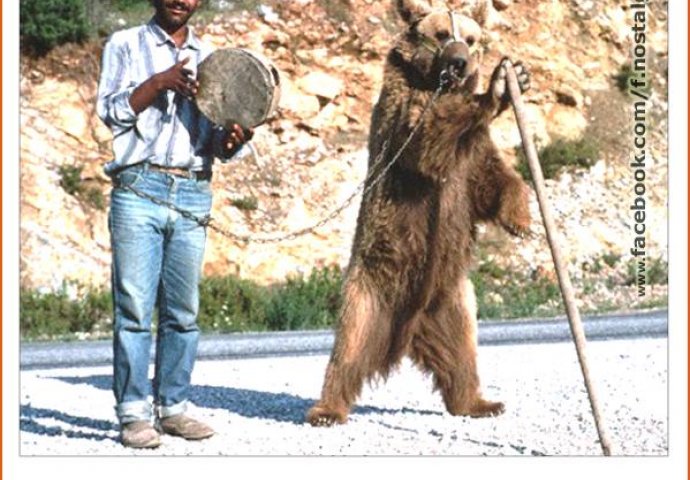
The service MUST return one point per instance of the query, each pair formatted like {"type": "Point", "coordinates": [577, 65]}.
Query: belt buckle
{"type": "Point", "coordinates": [182, 172]}
{"type": "Point", "coordinates": [174, 171]}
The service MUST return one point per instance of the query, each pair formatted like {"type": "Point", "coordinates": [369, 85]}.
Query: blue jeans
{"type": "Point", "coordinates": [157, 259]}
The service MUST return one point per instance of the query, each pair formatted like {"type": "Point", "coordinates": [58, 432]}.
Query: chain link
{"type": "Point", "coordinates": [364, 188]}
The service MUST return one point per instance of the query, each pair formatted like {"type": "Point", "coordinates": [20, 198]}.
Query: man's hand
{"type": "Point", "coordinates": [178, 78]}
{"type": "Point", "coordinates": [236, 137]}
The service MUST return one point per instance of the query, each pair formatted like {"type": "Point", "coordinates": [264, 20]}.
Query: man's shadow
{"type": "Point", "coordinates": [279, 407]}
{"type": "Point", "coordinates": [29, 421]}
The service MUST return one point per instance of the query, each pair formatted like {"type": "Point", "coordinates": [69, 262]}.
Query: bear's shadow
{"type": "Point", "coordinates": [279, 407]}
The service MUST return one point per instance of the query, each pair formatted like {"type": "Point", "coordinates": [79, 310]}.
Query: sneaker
{"type": "Point", "coordinates": [185, 427]}
{"type": "Point", "coordinates": [139, 434]}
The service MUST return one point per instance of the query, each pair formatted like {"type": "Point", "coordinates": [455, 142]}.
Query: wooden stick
{"type": "Point", "coordinates": [561, 269]}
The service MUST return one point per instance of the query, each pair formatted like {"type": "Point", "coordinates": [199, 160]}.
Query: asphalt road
{"type": "Point", "coordinates": [211, 347]}
{"type": "Point", "coordinates": [254, 390]}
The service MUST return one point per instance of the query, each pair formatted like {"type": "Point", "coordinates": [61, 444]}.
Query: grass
{"type": "Point", "coordinates": [71, 182]}
{"type": "Point", "coordinates": [561, 155]}
{"type": "Point", "coordinates": [655, 272]}
{"type": "Point", "coordinates": [107, 16]}
{"type": "Point", "coordinates": [248, 203]}
{"type": "Point", "coordinates": [624, 78]}
{"type": "Point", "coordinates": [504, 294]}
{"type": "Point", "coordinates": [56, 314]}
{"type": "Point", "coordinates": [338, 10]}
{"type": "Point", "coordinates": [231, 304]}
{"type": "Point", "coordinates": [306, 303]}
{"type": "Point", "coordinates": [227, 304]}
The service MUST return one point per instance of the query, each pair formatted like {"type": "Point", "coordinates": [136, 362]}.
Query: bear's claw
{"type": "Point", "coordinates": [487, 409]}
{"type": "Point", "coordinates": [481, 408]}
{"type": "Point", "coordinates": [322, 417]}
{"type": "Point", "coordinates": [499, 86]}
{"type": "Point", "coordinates": [519, 232]}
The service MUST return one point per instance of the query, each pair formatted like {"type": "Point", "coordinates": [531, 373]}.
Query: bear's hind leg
{"type": "Point", "coordinates": [356, 354]}
{"type": "Point", "coordinates": [446, 345]}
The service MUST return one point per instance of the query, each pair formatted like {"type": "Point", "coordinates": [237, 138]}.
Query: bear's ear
{"type": "Point", "coordinates": [412, 11]}
{"type": "Point", "coordinates": [477, 10]}
{"type": "Point", "coordinates": [480, 12]}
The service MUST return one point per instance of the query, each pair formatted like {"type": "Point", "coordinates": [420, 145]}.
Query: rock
{"type": "Point", "coordinates": [313, 154]}
{"type": "Point", "coordinates": [267, 14]}
{"type": "Point", "coordinates": [565, 122]}
{"type": "Point", "coordinates": [506, 135]}
{"type": "Point", "coordinates": [296, 102]}
{"type": "Point", "coordinates": [501, 4]}
{"type": "Point", "coordinates": [275, 38]}
{"type": "Point", "coordinates": [321, 84]}
{"type": "Point", "coordinates": [569, 96]}
{"type": "Point", "coordinates": [325, 118]}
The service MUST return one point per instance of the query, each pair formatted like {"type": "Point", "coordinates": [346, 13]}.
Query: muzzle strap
{"type": "Point", "coordinates": [431, 44]}
{"type": "Point", "coordinates": [454, 26]}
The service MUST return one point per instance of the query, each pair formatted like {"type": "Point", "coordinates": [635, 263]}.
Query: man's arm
{"type": "Point", "coordinates": [115, 87]}
{"type": "Point", "coordinates": [228, 141]}
{"type": "Point", "coordinates": [120, 100]}
{"type": "Point", "coordinates": [176, 78]}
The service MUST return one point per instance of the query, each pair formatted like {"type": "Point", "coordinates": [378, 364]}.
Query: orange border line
{"type": "Point", "coordinates": [2, 91]}
{"type": "Point", "coordinates": [687, 445]}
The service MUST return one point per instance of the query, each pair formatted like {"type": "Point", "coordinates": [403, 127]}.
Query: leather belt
{"type": "Point", "coordinates": [198, 175]}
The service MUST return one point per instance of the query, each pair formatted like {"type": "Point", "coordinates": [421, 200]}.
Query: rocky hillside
{"type": "Point", "coordinates": [312, 154]}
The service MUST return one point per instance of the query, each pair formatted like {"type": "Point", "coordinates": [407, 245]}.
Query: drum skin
{"type": "Point", "coordinates": [237, 86]}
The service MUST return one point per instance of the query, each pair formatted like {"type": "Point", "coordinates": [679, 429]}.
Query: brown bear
{"type": "Point", "coordinates": [406, 289]}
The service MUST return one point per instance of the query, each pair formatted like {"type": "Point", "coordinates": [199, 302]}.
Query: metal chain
{"type": "Point", "coordinates": [365, 187]}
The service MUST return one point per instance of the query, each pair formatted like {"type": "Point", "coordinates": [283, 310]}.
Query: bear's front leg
{"type": "Point", "coordinates": [513, 213]}
{"type": "Point", "coordinates": [499, 194]}
{"type": "Point", "coordinates": [498, 88]}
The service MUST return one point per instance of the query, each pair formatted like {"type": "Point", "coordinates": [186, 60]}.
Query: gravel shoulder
{"type": "Point", "coordinates": [257, 406]}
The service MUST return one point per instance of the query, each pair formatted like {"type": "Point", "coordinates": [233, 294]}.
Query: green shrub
{"type": "Point", "coordinates": [625, 76]}
{"type": "Point", "coordinates": [559, 155]}
{"type": "Point", "coordinates": [95, 198]}
{"type": "Point", "coordinates": [340, 11]}
{"type": "Point", "coordinates": [654, 270]}
{"type": "Point", "coordinates": [70, 178]}
{"type": "Point", "coordinates": [657, 272]}
{"type": "Point", "coordinates": [306, 303]}
{"type": "Point", "coordinates": [248, 203]}
{"type": "Point", "coordinates": [227, 304]}
{"type": "Point", "coordinates": [611, 259]}
{"type": "Point", "coordinates": [47, 315]}
{"type": "Point", "coordinates": [230, 304]}
{"type": "Point", "coordinates": [515, 295]}
{"type": "Point", "coordinates": [597, 264]}
{"type": "Point", "coordinates": [45, 24]}
{"type": "Point", "coordinates": [126, 4]}
{"type": "Point", "coordinates": [71, 182]}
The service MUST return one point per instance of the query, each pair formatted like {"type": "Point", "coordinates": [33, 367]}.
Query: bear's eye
{"type": "Point", "coordinates": [470, 41]}
{"type": "Point", "coordinates": [442, 35]}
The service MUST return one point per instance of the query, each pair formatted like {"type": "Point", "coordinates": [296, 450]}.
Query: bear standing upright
{"type": "Point", "coordinates": [406, 290]}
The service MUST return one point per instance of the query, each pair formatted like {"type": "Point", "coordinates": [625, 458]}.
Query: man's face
{"type": "Point", "coordinates": [173, 14]}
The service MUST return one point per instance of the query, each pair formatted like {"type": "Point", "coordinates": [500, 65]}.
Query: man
{"type": "Point", "coordinates": [163, 148]}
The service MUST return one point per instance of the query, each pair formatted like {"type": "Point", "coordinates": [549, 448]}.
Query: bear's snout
{"type": "Point", "coordinates": [455, 58]}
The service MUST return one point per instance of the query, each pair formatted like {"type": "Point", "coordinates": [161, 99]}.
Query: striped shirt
{"type": "Point", "coordinates": [171, 132]}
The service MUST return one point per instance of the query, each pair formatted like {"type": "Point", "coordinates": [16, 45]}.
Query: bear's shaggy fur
{"type": "Point", "coordinates": [406, 290]}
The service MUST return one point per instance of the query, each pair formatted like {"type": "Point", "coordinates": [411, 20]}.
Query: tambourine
{"type": "Point", "coordinates": [237, 86]}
